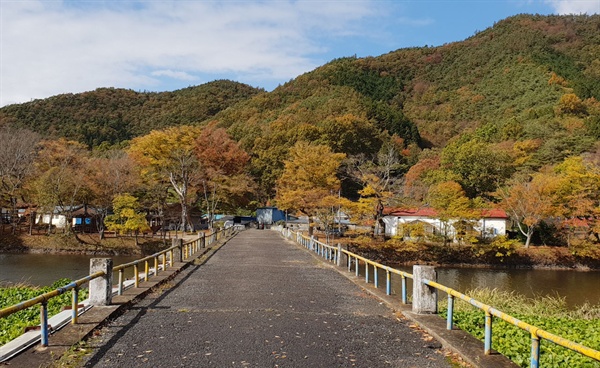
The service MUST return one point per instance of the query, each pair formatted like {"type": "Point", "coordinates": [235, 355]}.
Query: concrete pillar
{"type": "Point", "coordinates": [342, 259]}
{"type": "Point", "coordinates": [177, 252]}
{"type": "Point", "coordinates": [101, 287]}
{"type": "Point", "coordinates": [424, 296]}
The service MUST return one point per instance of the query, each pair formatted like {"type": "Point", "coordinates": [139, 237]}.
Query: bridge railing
{"type": "Point", "coordinates": [178, 252]}
{"type": "Point", "coordinates": [336, 254]}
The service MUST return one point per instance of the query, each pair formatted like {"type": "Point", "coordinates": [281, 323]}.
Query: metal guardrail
{"type": "Point", "coordinates": [187, 250]}
{"type": "Point", "coordinates": [332, 253]}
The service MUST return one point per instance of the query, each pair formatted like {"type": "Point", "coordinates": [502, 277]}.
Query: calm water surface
{"type": "Point", "coordinates": [577, 287]}
{"type": "Point", "coordinates": [44, 269]}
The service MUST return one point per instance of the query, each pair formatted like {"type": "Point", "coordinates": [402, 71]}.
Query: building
{"type": "Point", "coordinates": [398, 222]}
{"type": "Point", "coordinates": [269, 215]}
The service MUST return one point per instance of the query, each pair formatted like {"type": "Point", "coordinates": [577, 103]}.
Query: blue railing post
{"type": "Point", "coordinates": [404, 297]}
{"type": "Point", "coordinates": [535, 350]}
{"type": "Point", "coordinates": [74, 304]}
{"type": "Point", "coordinates": [44, 323]}
{"type": "Point", "coordinates": [450, 317]}
{"type": "Point", "coordinates": [487, 349]}
{"type": "Point", "coordinates": [388, 282]}
{"type": "Point", "coordinates": [367, 272]}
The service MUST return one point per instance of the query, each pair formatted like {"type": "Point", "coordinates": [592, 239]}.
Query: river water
{"type": "Point", "coordinates": [44, 269]}
{"type": "Point", "coordinates": [577, 287]}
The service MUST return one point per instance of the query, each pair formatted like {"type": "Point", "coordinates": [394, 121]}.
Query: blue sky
{"type": "Point", "coordinates": [51, 47]}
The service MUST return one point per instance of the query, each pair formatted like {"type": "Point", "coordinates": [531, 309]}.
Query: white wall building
{"type": "Point", "coordinates": [493, 222]}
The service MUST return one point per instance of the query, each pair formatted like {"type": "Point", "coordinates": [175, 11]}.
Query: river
{"type": "Point", "coordinates": [44, 269]}
{"type": "Point", "coordinates": [577, 287]}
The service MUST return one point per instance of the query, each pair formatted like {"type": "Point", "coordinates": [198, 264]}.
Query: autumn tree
{"type": "Point", "coordinates": [222, 167]}
{"type": "Point", "coordinates": [17, 153]}
{"type": "Point", "coordinates": [60, 182]}
{"type": "Point", "coordinates": [170, 156]}
{"type": "Point", "coordinates": [577, 191]}
{"type": "Point", "coordinates": [529, 202]}
{"type": "Point", "coordinates": [309, 176]}
{"type": "Point", "coordinates": [108, 175]}
{"type": "Point", "coordinates": [380, 177]}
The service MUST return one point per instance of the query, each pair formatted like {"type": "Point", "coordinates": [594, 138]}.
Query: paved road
{"type": "Point", "coordinates": [262, 302]}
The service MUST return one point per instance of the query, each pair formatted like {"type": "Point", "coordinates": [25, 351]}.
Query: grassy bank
{"type": "Point", "coordinates": [13, 326]}
{"type": "Point", "coordinates": [548, 313]}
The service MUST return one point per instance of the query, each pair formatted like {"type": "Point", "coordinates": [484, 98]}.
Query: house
{"type": "Point", "coordinates": [84, 218]}
{"type": "Point", "coordinates": [400, 222]}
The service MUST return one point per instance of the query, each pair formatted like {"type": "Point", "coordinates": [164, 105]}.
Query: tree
{"type": "Point", "coordinates": [480, 168]}
{"type": "Point", "coordinates": [452, 205]}
{"type": "Point", "coordinates": [17, 153]}
{"type": "Point", "coordinates": [222, 165]}
{"type": "Point", "coordinates": [109, 175]}
{"type": "Point", "coordinates": [60, 182]}
{"type": "Point", "coordinates": [529, 202]}
{"type": "Point", "coordinates": [169, 156]}
{"type": "Point", "coordinates": [380, 178]}
{"type": "Point", "coordinates": [126, 217]}
{"type": "Point", "coordinates": [309, 176]}
{"type": "Point", "coordinates": [577, 193]}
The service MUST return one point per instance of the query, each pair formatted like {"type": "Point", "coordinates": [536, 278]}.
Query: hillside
{"type": "Point", "coordinates": [533, 79]}
{"type": "Point", "coordinates": [114, 115]}
{"type": "Point", "coordinates": [525, 90]}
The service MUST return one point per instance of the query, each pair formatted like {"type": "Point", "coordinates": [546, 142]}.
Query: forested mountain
{"type": "Point", "coordinates": [114, 115]}
{"type": "Point", "coordinates": [514, 97]}
{"type": "Point", "coordinates": [532, 82]}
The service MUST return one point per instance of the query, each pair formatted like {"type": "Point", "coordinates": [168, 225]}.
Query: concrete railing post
{"type": "Point", "coordinates": [177, 252]}
{"type": "Point", "coordinates": [342, 258]}
{"type": "Point", "coordinates": [101, 287]}
{"type": "Point", "coordinates": [424, 296]}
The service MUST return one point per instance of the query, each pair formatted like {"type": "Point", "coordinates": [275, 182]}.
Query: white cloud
{"type": "Point", "coordinates": [51, 47]}
{"type": "Point", "coordinates": [173, 74]}
{"type": "Point", "coordinates": [575, 6]}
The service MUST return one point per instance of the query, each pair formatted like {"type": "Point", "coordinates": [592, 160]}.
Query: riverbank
{"type": "Point", "coordinates": [498, 255]}
{"type": "Point", "coordinates": [88, 244]}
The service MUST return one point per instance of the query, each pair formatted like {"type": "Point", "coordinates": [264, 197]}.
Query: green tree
{"type": "Point", "coordinates": [127, 218]}
{"type": "Point", "coordinates": [480, 168]}
{"type": "Point", "coordinates": [452, 205]}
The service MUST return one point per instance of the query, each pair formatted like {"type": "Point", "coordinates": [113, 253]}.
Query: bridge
{"type": "Point", "coordinates": [257, 299]}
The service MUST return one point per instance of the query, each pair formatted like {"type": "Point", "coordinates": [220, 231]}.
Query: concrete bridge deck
{"type": "Point", "coordinates": [261, 301]}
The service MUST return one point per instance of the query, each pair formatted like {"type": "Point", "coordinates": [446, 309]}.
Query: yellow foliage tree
{"type": "Point", "coordinates": [169, 156]}
{"type": "Point", "coordinates": [308, 178]}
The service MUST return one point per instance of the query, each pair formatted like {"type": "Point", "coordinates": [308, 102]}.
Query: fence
{"type": "Point", "coordinates": [100, 279]}
{"type": "Point", "coordinates": [425, 296]}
